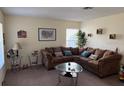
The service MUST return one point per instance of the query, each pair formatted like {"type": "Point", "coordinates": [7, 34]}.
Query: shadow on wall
{"type": "Point", "coordinates": [119, 36]}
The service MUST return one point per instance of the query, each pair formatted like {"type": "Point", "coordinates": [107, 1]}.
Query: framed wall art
{"type": "Point", "coordinates": [46, 34]}
{"type": "Point", "coordinates": [89, 35]}
{"type": "Point", "coordinates": [22, 34]}
{"type": "Point", "coordinates": [99, 31]}
{"type": "Point", "coordinates": [112, 36]}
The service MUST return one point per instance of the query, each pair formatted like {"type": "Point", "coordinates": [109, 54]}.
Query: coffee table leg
{"type": "Point", "coordinates": [76, 80]}
{"type": "Point", "coordinates": [59, 79]}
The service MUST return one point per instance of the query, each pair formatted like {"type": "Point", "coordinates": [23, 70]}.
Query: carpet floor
{"type": "Point", "coordinates": [39, 76]}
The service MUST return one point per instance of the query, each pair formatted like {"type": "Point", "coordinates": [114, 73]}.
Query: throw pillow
{"type": "Point", "coordinates": [85, 54]}
{"type": "Point", "coordinates": [93, 57]}
{"type": "Point", "coordinates": [99, 52]}
{"type": "Point", "coordinates": [81, 50]}
{"type": "Point", "coordinates": [67, 53]}
{"type": "Point", "coordinates": [65, 49]}
{"type": "Point", "coordinates": [58, 54]}
{"type": "Point", "coordinates": [92, 50]}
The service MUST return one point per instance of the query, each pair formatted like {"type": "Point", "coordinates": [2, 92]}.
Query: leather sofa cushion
{"type": "Point", "coordinates": [57, 60]}
{"type": "Point", "coordinates": [50, 50]}
{"type": "Point", "coordinates": [99, 52]}
{"type": "Point", "coordinates": [62, 59]}
{"type": "Point", "coordinates": [75, 51]}
{"type": "Point", "coordinates": [68, 58]}
{"type": "Point", "coordinates": [57, 49]}
{"type": "Point", "coordinates": [107, 53]}
{"type": "Point", "coordinates": [66, 48]}
{"type": "Point", "coordinates": [84, 59]}
{"type": "Point", "coordinates": [93, 64]}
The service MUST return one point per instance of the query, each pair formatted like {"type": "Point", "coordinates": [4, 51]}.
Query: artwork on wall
{"type": "Point", "coordinates": [112, 36]}
{"type": "Point", "coordinates": [46, 34]}
{"type": "Point", "coordinates": [99, 31]}
{"type": "Point", "coordinates": [22, 34]}
{"type": "Point", "coordinates": [89, 35]}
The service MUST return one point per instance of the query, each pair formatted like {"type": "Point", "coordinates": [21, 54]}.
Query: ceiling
{"type": "Point", "coordinates": [64, 13]}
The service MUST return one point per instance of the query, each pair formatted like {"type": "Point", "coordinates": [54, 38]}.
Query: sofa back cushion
{"type": "Point", "coordinates": [108, 53]}
{"type": "Point", "coordinates": [50, 50]}
{"type": "Point", "coordinates": [85, 54]}
{"type": "Point", "coordinates": [75, 51]}
{"type": "Point", "coordinates": [58, 54]}
{"type": "Point", "coordinates": [57, 49]}
{"type": "Point", "coordinates": [99, 53]}
{"type": "Point", "coordinates": [67, 53]}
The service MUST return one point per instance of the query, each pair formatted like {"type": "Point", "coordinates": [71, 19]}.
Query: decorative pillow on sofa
{"type": "Point", "coordinates": [99, 52]}
{"type": "Point", "coordinates": [66, 48]}
{"type": "Point", "coordinates": [85, 54]}
{"type": "Point", "coordinates": [67, 53]}
{"type": "Point", "coordinates": [93, 57]}
{"type": "Point", "coordinates": [58, 54]}
{"type": "Point", "coordinates": [92, 50]}
{"type": "Point", "coordinates": [82, 50]}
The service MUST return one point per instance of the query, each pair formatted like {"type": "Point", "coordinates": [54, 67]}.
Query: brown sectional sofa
{"type": "Point", "coordinates": [106, 64]}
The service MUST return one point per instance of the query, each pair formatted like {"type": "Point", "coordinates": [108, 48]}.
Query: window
{"type": "Point", "coordinates": [71, 38]}
{"type": "Point", "coordinates": [1, 47]}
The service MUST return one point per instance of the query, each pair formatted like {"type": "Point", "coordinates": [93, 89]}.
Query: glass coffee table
{"type": "Point", "coordinates": [70, 70]}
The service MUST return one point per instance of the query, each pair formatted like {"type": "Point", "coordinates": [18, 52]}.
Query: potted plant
{"type": "Point", "coordinates": [81, 42]}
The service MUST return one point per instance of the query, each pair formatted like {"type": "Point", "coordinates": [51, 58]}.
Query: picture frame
{"type": "Point", "coordinates": [89, 35]}
{"type": "Point", "coordinates": [99, 31]}
{"type": "Point", "coordinates": [112, 36]}
{"type": "Point", "coordinates": [22, 34]}
{"type": "Point", "coordinates": [46, 34]}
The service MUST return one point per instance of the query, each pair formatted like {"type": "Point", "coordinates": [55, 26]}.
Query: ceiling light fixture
{"type": "Point", "coordinates": [87, 8]}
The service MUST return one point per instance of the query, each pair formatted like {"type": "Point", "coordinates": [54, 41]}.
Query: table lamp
{"type": "Point", "coordinates": [16, 47]}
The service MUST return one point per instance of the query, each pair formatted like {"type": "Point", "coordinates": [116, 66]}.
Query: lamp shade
{"type": "Point", "coordinates": [17, 46]}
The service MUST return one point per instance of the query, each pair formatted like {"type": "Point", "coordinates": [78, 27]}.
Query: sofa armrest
{"type": "Point", "coordinates": [46, 59]}
{"type": "Point", "coordinates": [109, 65]}
{"type": "Point", "coordinates": [110, 58]}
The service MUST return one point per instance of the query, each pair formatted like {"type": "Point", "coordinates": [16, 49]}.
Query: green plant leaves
{"type": "Point", "coordinates": [81, 39]}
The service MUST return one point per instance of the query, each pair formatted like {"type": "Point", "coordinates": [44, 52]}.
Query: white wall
{"type": "Point", "coordinates": [111, 25]}
{"type": "Point", "coordinates": [3, 69]}
{"type": "Point", "coordinates": [31, 25]}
